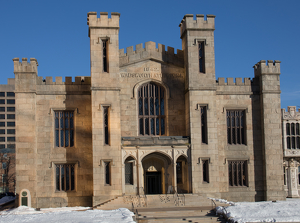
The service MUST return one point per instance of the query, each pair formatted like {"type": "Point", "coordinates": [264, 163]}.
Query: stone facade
{"type": "Point", "coordinates": [148, 121]}
{"type": "Point", "coordinates": [291, 152]}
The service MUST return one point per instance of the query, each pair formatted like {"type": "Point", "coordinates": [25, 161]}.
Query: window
{"type": "Point", "coordinates": [237, 173]}
{"type": "Point", "coordinates": [292, 136]}
{"type": "Point", "coordinates": [11, 131]}
{"type": "Point", "coordinates": [201, 57]}
{"type": "Point", "coordinates": [10, 94]}
{"type": "Point", "coordinates": [4, 165]}
{"type": "Point", "coordinates": [235, 127]}
{"type": "Point", "coordinates": [2, 146]}
{"type": "Point", "coordinates": [2, 101]}
{"type": "Point", "coordinates": [129, 173]}
{"type": "Point", "coordinates": [10, 116]}
{"type": "Point", "coordinates": [298, 175]}
{"type": "Point", "coordinates": [106, 123]}
{"type": "Point", "coordinates": [203, 124]}
{"type": "Point", "coordinates": [2, 124]}
{"type": "Point", "coordinates": [2, 131]}
{"type": "Point", "coordinates": [11, 139]}
{"type": "Point", "coordinates": [2, 116]}
{"type": "Point", "coordinates": [10, 101]}
{"type": "Point", "coordinates": [65, 177]}
{"type": "Point", "coordinates": [2, 109]}
{"type": "Point", "coordinates": [2, 139]}
{"type": "Point", "coordinates": [11, 146]}
{"type": "Point", "coordinates": [105, 55]}
{"type": "Point", "coordinates": [205, 172]}
{"type": "Point", "coordinates": [11, 124]}
{"type": "Point", "coordinates": [2, 94]}
{"type": "Point", "coordinates": [4, 178]}
{"type": "Point", "coordinates": [107, 172]}
{"type": "Point", "coordinates": [64, 129]}
{"type": "Point", "coordinates": [151, 109]}
{"type": "Point", "coordinates": [10, 109]}
{"type": "Point", "coordinates": [284, 175]}
{"type": "Point", "coordinates": [179, 171]}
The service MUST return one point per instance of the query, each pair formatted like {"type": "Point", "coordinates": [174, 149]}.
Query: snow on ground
{"type": "Point", "coordinates": [6, 199]}
{"type": "Point", "coordinates": [265, 211]}
{"type": "Point", "coordinates": [65, 215]}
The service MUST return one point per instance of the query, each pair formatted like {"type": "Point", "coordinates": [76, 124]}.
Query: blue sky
{"type": "Point", "coordinates": [56, 34]}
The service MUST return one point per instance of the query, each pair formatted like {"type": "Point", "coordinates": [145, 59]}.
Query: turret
{"type": "Point", "coordinates": [198, 46]}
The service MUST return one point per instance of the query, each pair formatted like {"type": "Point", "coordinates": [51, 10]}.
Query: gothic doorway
{"type": "Point", "coordinates": [153, 182]}
{"type": "Point", "coordinates": [157, 173]}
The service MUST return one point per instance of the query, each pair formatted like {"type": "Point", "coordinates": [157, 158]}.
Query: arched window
{"type": "Point", "coordinates": [151, 100]}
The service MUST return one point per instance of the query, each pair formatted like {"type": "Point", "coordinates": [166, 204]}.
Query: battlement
{"type": "Point", "coordinates": [292, 113]}
{"type": "Point", "coordinates": [68, 81]}
{"type": "Point", "coordinates": [103, 21]}
{"type": "Point", "coordinates": [24, 66]}
{"type": "Point", "coordinates": [200, 23]}
{"type": "Point", "coordinates": [151, 52]}
{"type": "Point", "coordinates": [230, 81]}
{"type": "Point", "coordinates": [269, 67]}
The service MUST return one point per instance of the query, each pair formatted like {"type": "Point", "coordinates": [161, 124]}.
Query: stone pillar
{"type": "Point", "coordinates": [292, 178]}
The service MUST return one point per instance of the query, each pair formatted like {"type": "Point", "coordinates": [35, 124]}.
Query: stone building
{"type": "Point", "coordinates": [7, 136]}
{"type": "Point", "coordinates": [148, 121]}
{"type": "Point", "coordinates": [291, 152]}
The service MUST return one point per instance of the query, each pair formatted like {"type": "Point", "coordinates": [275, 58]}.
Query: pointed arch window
{"type": "Point", "coordinates": [151, 101]}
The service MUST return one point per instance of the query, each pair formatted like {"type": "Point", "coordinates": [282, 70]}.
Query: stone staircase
{"type": "Point", "coordinates": [166, 207]}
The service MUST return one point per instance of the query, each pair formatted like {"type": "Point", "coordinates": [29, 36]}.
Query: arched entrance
{"type": "Point", "coordinates": [157, 169]}
{"type": "Point", "coordinates": [182, 174]}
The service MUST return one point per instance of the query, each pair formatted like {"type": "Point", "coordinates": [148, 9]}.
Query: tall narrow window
{"type": "Point", "coordinates": [129, 173]}
{"type": "Point", "coordinates": [65, 177]}
{"type": "Point", "coordinates": [292, 136]}
{"type": "Point", "coordinates": [201, 57]}
{"type": "Point", "coordinates": [299, 175]}
{"type": "Point", "coordinates": [151, 109]}
{"type": "Point", "coordinates": [236, 127]}
{"type": "Point", "coordinates": [107, 172]}
{"type": "Point", "coordinates": [106, 125]}
{"type": "Point", "coordinates": [105, 55]}
{"type": "Point", "coordinates": [64, 129]}
{"type": "Point", "coordinates": [203, 124]}
{"type": "Point", "coordinates": [284, 175]}
{"type": "Point", "coordinates": [179, 172]}
{"type": "Point", "coordinates": [237, 173]}
{"type": "Point", "coordinates": [205, 172]}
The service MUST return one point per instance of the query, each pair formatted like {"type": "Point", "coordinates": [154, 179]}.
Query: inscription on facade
{"type": "Point", "coordinates": [151, 75]}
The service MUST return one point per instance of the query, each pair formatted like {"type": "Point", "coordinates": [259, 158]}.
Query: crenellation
{"type": "Point", "coordinates": [103, 20]}
{"type": "Point", "coordinates": [237, 81]}
{"type": "Point", "coordinates": [267, 67]}
{"type": "Point", "coordinates": [151, 51]}
{"type": "Point", "coordinates": [81, 80]}
{"type": "Point", "coordinates": [49, 81]}
{"type": "Point", "coordinates": [24, 66]}
{"type": "Point", "coordinates": [200, 23]}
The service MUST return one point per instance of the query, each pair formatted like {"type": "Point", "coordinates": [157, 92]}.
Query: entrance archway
{"type": "Point", "coordinates": [182, 174]}
{"type": "Point", "coordinates": [157, 173]}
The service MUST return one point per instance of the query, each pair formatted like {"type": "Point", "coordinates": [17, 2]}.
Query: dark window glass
{"type": "Point", "coordinates": [237, 173]}
{"type": "Point", "coordinates": [2, 146]}
{"type": "Point", "coordinates": [11, 146]}
{"type": "Point", "coordinates": [2, 131]}
{"type": "Point", "coordinates": [107, 172]}
{"type": "Point", "coordinates": [2, 109]}
{"type": "Point", "coordinates": [10, 94]}
{"type": "Point", "coordinates": [2, 124]}
{"type": "Point", "coordinates": [179, 172]}
{"type": "Point", "coordinates": [11, 131]}
{"type": "Point", "coordinates": [201, 57]}
{"type": "Point", "coordinates": [129, 173]}
{"type": "Point", "coordinates": [11, 124]}
{"type": "Point", "coordinates": [284, 175]}
{"type": "Point", "coordinates": [64, 130]}
{"type": "Point", "coordinates": [65, 179]}
{"type": "Point", "coordinates": [11, 109]}
{"type": "Point", "coordinates": [2, 101]}
{"type": "Point", "coordinates": [151, 109]}
{"type": "Point", "coordinates": [2, 139]}
{"type": "Point", "coordinates": [10, 101]}
{"type": "Point", "coordinates": [205, 171]}
{"type": "Point", "coordinates": [292, 136]}
{"type": "Point", "coordinates": [106, 127]}
{"type": "Point", "coordinates": [203, 124]}
{"type": "Point", "coordinates": [11, 139]}
{"type": "Point", "coordinates": [235, 127]}
{"type": "Point", "coordinates": [2, 116]}
{"type": "Point", "coordinates": [105, 54]}
{"type": "Point", "coordinates": [2, 94]}
{"type": "Point", "coordinates": [10, 116]}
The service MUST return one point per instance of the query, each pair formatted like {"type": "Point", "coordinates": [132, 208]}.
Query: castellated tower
{"type": "Point", "coordinates": [26, 150]}
{"type": "Point", "coordinates": [200, 85]}
{"type": "Point", "coordinates": [268, 74]}
{"type": "Point", "coordinates": [105, 96]}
